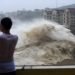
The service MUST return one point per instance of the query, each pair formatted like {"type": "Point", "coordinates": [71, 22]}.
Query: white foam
{"type": "Point", "coordinates": [38, 42]}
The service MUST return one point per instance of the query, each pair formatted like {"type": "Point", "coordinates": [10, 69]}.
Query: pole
{"type": "Point", "coordinates": [56, 3]}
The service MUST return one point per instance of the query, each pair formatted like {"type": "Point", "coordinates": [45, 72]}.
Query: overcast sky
{"type": "Point", "coordinates": [13, 5]}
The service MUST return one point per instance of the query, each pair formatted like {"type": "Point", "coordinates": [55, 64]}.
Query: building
{"type": "Point", "coordinates": [62, 16]}
{"type": "Point", "coordinates": [54, 15]}
{"type": "Point", "coordinates": [57, 16]}
{"type": "Point", "coordinates": [69, 18]}
{"type": "Point", "coordinates": [48, 14]}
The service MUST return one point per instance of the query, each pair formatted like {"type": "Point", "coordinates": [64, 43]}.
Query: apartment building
{"type": "Point", "coordinates": [54, 15]}
{"type": "Point", "coordinates": [62, 16]}
{"type": "Point", "coordinates": [69, 17]}
{"type": "Point", "coordinates": [57, 16]}
{"type": "Point", "coordinates": [48, 14]}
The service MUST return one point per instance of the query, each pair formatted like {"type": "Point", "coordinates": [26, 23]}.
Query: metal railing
{"type": "Point", "coordinates": [44, 67]}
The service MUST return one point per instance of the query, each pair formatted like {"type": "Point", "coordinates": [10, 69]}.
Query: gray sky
{"type": "Point", "coordinates": [13, 5]}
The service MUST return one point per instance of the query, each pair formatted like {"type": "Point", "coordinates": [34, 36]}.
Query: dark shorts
{"type": "Point", "coordinates": [9, 73]}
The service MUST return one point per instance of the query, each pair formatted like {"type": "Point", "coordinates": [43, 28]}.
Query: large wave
{"type": "Point", "coordinates": [43, 42]}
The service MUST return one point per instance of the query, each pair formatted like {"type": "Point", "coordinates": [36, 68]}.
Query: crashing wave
{"type": "Point", "coordinates": [44, 42]}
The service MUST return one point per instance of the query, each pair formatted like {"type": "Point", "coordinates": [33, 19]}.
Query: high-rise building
{"type": "Point", "coordinates": [62, 16]}
{"type": "Point", "coordinates": [70, 18]}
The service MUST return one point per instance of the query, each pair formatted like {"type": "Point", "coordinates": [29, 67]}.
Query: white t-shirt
{"type": "Point", "coordinates": [7, 47]}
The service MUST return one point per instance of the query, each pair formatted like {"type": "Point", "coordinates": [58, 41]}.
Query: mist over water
{"type": "Point", "coordinates": [42, 42]}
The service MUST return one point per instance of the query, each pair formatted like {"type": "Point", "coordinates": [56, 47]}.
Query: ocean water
{"type": "Point", "coordinates": [42, 42]}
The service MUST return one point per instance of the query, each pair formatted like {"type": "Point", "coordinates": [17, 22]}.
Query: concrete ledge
{"type": "Point", "coordinates": [51, 71]}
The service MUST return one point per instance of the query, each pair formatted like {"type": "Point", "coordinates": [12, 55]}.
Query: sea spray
{"type": "Point", "coordinates": [43, 42]}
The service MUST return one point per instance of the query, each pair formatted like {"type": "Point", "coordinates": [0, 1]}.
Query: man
{"type": "Point", "coordinates": [7, 47]}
